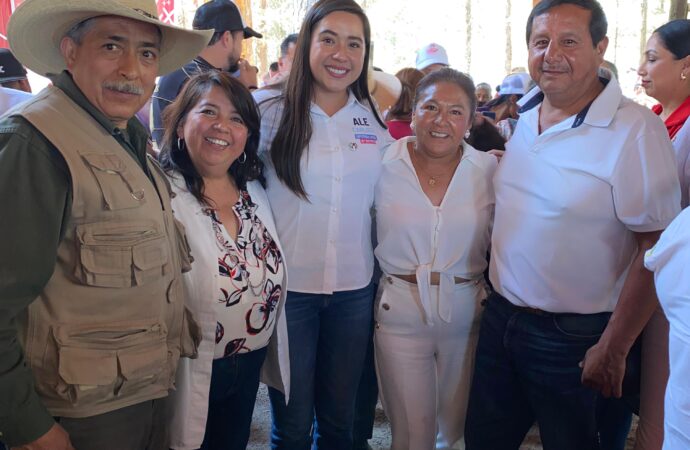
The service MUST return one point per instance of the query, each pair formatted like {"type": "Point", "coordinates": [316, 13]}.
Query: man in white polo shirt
{"type": "Point", "coordinates": [586, 185]}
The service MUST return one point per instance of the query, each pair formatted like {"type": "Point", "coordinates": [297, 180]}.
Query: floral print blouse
{"type": "Point", "coordinates": [251, 275]}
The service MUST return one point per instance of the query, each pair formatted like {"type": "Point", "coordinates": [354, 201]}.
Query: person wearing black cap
{"type": "Point", "coordinates": [12, 73]}
{"type": "Point", "coordinates": [222, 53]}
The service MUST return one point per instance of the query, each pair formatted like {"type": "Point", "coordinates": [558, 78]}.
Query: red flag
{"type": "Point", "coordinates": [7, 7]}
{"type": "Point", "coordinates": [166, 11]}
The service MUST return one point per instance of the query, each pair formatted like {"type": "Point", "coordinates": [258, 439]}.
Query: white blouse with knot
{"type": "Point", "coordinates": [416, 237]}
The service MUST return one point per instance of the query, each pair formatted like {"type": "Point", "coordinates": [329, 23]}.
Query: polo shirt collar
{"type": "Point", "coordinates": [599, 113]}
{"type": "Point", "coordinates": [606, 104]}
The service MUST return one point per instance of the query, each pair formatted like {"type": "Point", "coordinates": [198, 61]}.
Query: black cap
{"type": "Point", "coordinates": [10, 68]}
{"type": "Point", "coordinates": [221, 15]}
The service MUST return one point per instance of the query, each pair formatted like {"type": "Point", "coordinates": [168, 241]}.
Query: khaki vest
{"type": "Point", "coordinates": [110, 325]}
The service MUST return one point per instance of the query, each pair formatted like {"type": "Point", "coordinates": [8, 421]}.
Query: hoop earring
{"type": "Point", "coordinates": [180, 143]}
{"type": "Point", "coordinates": [243, 158]}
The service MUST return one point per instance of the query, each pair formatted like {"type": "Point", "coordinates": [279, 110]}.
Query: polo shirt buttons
{"type": "Point", "coordinates": [386, 306]}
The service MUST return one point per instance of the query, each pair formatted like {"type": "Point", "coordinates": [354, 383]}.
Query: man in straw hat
{"type": "Point", "coordinates": [92, 322]}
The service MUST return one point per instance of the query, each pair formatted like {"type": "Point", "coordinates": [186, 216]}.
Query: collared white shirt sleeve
{"type": "Point", "coordinates": [640, 180]}
{"type": "Point", "coordinates": [327, 240]}
{"type": "Point", "coordinates": [569, 199]}
{"type": "Point", "coordinates": [417, 238]}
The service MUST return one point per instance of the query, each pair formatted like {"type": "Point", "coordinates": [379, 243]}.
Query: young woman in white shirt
{"type": "Point", "coordinates": [434, 209]}
{"type": "Point", "coordinates": [237, 283]}
{"type": "Point", "coordinates": [322, 139]}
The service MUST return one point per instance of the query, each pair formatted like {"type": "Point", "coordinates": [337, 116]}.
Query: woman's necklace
{"type": "Point", "coordinates": [433, 179]}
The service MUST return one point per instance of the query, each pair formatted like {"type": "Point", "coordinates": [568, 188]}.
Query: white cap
{"type": "Point", "coordinates": [431, 54]}
{"type": "Point", "coordinates": [515, 83]}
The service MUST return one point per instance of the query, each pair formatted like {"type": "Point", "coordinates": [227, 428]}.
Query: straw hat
{"type": "Point", "coordinates": [37, 26]}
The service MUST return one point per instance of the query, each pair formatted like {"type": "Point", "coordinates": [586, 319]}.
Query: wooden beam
{"type": "Point", "coordinates": [678, 9]}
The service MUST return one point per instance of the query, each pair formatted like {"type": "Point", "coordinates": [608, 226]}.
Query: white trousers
{"type": "Point", "coordinates": [424, 372]}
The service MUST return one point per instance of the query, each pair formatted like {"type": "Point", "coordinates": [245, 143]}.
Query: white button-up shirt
{"type": "Point", "coordinates": [670, 261]}
{"type": "Point", "coordinates": [327, 240]}
{"type": "Point", "coordinates": [569, 199]}
{"type": "Point", "coordinates": [416, 237]}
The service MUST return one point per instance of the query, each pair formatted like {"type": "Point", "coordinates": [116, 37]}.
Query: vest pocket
{"type": "Point", "coordinates": [97, 365]}
{"type": "Point", "coordinates": [119, 187]}
{"type": "Point", "coordinates": [191, 336]}
{"type": "Point", "coordinates": [120, 255]}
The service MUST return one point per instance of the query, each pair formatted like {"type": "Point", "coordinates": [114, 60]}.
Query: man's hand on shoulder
{"type": "Point", "coordinates": [55, 439]}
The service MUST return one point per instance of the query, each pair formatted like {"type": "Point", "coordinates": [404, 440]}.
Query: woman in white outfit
{"type": "Point", "coordinates": [237, 284]}
{"type": "Point", "coordinates": [434, 208]}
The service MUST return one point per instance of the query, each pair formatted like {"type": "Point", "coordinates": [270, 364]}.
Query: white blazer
{"type": "Point", "coordinates": [189, 401]}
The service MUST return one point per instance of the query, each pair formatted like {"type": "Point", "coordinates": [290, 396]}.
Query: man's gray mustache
{"type": "Point", "coordinates": [124, 87]}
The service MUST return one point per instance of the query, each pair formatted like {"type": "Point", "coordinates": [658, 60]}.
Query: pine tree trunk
{"type": "Point", "coordinates": [678, 10]}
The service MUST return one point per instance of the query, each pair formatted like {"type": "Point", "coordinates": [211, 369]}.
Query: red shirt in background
{"type": "Point", "coordinates": [399, 128]}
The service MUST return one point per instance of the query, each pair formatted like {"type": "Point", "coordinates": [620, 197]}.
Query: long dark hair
{"type": "Point", "coordinates": [174, 155]}
{"type": "Point", "coordinates": [409, 79]}
{"type": "Point", "coordinates": [295, 129]}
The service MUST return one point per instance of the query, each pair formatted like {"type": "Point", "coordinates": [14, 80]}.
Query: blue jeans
{"type": "Point", "coordinates": [527, 369]}
{"type": "Point", "coordinates": [234, 383]}
{"type": "Point", "coordinates": [328, 337]}
{"type": "Point", "coordinates": [367, 397]}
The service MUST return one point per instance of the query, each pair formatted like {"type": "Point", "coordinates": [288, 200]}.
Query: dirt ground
{"type": "Point", "coordinates": [261, 429]}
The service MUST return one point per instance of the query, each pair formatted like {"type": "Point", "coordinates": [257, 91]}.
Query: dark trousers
{"type": "Point", "coordinates": [234, 383]}
{"type": "Point", "coordinates": [328, 336]}
{"type": "Point", "coordinates": [139, 427]}
{"type": "Point", "coordinates": [367, 397]}
{"type": "Point", "coordinates": [527, 369]}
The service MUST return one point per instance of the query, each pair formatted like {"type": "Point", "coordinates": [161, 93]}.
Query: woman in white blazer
{"type": "Point", "coordinates": [237, 283]}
